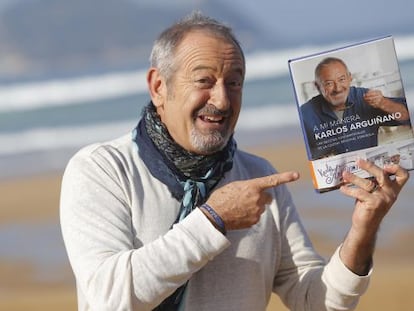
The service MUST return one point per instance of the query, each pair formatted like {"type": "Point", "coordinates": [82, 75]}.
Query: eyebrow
{"type": "Point", "coordinates": [203, 67]}
{"type": "Point", "coordinates": [238, 69]}
{"type": "Point", "coordinates": [332, 80]}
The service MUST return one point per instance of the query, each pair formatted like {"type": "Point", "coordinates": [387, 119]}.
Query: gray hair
{"type": "Point", "coordinates": [325, 62]}
{"type": "Point", "coordinates": [162, 55]}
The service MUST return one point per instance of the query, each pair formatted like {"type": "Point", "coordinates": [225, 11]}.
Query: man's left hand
{"type": "Point", "coordinates": [374, 197]}
{"type": "Point", "coordinates": [373, 200]}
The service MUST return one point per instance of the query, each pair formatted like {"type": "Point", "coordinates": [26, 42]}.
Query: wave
{"type": "Point", "coordinates": [34, 95]}
{"type": "Point", "coordinates": [260, 118]}
{"type": "Point", "coordinates": [88, 89]}
{"type": "Point", "coordinates": [52, 138]}
{"type": "Point", "coordinates": [52, 146]}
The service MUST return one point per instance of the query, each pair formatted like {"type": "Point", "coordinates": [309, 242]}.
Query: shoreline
{"type": "Point", "coordinates": [53, 161]}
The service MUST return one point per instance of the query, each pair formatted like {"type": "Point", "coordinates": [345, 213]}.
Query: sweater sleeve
{"type": "Point", "coordinates": [96, 224]}
{"type": "Point", "coordinates": [304, 281]}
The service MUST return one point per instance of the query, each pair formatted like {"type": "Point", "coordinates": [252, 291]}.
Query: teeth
{"type": "Point", "coordinates": [212, 118]}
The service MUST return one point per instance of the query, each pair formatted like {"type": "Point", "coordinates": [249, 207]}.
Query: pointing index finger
{"type": "Point", "coordinates": [274, 180]}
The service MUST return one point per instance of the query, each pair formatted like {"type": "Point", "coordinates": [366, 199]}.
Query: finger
{"type": "Point", "coordinates": [370, 93]}
{"type": "Point", "coordinates": [379, 178]}
{"type": "Point", "coordinates": [374, 170]}
{"type": "Point", "coordinates": [373, 92]}
{"type": "Point", "coordinates": [401, 175]}
{"type": "Point", "coordinates": [274, 180]}
{"type": "Point", "coordinates": [372, 96]}
{"type": "Point", "coordinates": [364, 183]}
{"type": "Point", "coordinates": [352, 192]}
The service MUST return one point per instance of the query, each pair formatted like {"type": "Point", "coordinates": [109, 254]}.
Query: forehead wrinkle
{"type": "Point", "coordinates": [191, 52]}
{"type": "Point", "coordinates": [222, 68]}
{"type": "Point", "coordinates": [203, 67]}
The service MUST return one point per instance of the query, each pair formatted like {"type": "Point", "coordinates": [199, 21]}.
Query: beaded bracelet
{"type": "Point", "coordinates": [216, 217]}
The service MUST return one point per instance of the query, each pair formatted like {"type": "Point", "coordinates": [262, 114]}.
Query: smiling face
{"type": "Point", "coordinates": [201, 102]}
{"type": "Point", "coordinates": [333, 83]}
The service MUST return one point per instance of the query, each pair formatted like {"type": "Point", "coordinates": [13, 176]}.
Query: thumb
{"type": "Point", "coordinates": [274, 180]}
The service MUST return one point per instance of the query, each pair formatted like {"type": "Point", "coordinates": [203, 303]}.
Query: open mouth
{"type": "Point", "coordinates": [212, 119]}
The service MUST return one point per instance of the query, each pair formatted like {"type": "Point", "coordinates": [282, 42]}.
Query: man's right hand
{"type": "Point", "coordinates": [241, 203]}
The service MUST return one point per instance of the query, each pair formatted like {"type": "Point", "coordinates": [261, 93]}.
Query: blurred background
{"type": "Point", "coordinates": [73, 73]}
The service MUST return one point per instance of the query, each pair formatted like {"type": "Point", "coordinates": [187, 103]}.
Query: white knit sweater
{"type": "Point", "coordinates": [116, 220]}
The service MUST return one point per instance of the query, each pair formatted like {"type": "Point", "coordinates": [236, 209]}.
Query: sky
{"type": "Point", "coordinates": [303, 20]}
{"type": "Point", "coordinates": [293, 23]}
{"type": "Point", "coordinates": [323, 20]}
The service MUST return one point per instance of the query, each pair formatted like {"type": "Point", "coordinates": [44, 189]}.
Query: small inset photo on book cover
{"type": "Point", "coordinates": [351, 105]}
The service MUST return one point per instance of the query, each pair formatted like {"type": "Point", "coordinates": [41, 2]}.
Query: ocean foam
{"type": "Point", "coordinates": [260, 65]}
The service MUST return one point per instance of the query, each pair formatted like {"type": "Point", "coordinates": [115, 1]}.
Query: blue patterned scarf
{"type": "Point", "coordinates": [190, 177]}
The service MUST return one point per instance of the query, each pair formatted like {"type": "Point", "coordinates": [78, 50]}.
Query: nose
{"type": "Point", "coordinates": [337, 86]}
{"type": "Point", "coordinates": [219, 97]}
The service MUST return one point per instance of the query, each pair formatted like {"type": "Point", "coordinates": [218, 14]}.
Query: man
{"type": "Point", "coordinates": [177, 218]}
{"type": "Point", "coordinates": [328, 117]}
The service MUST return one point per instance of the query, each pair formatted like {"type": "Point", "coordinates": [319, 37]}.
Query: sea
{"type": "Point", "coordinates": [44, 121]}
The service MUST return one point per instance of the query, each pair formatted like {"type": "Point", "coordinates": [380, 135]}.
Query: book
{"type": "Point", "coordinates": [351, 105]}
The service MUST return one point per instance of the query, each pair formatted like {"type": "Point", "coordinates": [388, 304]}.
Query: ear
{"type": "Point", "coordinates": [157, 87]}
{"type": "Point", "coordinates": [317, 86]}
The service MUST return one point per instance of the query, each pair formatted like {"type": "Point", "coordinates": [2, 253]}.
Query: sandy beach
{"type": "Point", "coordinates": [34, 201]}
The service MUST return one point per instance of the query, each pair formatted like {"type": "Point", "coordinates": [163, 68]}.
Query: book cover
{"type": "Point", "coordinates": [351, 105]}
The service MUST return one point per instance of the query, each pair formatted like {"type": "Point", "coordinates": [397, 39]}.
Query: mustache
{"type": "Point", "coordinates": [213, 110]}
{"type": "Point", "coordinates": [335, 92]}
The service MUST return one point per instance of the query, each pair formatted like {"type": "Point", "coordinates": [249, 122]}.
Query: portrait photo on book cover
{"type": "Point", "coordinates": [350, 99]}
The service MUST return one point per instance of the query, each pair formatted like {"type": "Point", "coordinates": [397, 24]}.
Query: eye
{"type": "Point", "coordinates": [328, 84]}
{"type": "Point", "coordinates": [235, 84]}
{"type": "Point", "coordinates": [204, 82]}
{"type": "Point", "coordinates": [342, 79]}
